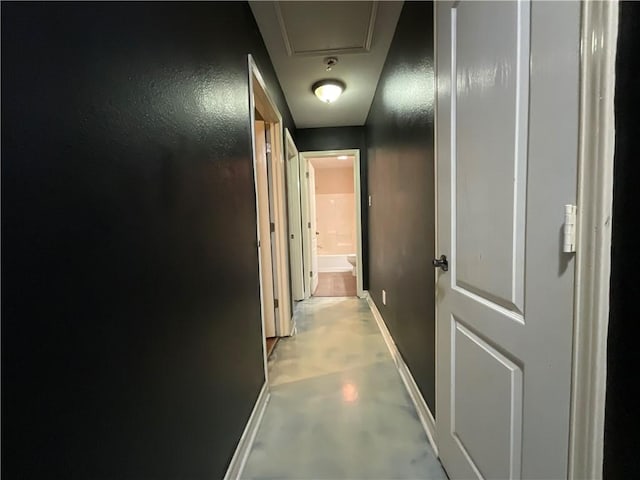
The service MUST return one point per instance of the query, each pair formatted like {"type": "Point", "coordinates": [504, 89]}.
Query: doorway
{"type": "Point", "coordinates": [331, 220]}
{"type": "Point", "coordinates": [269, 176]}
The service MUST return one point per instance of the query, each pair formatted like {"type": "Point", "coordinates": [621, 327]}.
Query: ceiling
{"type": "Point", "coordinates": [299, 35]}
{"type": "Point", "coordinates": [331, 162]}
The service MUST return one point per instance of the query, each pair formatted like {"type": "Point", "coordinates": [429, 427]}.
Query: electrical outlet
{"type": "Point", "coordinates": [384, 297]}
{"type": "Point", "coordinates": [369, 200]}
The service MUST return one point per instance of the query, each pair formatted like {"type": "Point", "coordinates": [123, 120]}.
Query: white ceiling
{"type": "Point", "coordinates": [331, 162]}
{"type": "Point", "coordinates": [299, 35]}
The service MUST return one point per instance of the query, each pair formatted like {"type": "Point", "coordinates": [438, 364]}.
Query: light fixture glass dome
{"type": "Point", "coordinates": [328, 91]}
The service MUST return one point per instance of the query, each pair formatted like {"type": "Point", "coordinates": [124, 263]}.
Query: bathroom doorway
{"type": "Point", "coordinates": [331, 211]}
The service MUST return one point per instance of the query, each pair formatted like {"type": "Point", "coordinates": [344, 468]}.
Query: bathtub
{"type": "Point", "coordinates": [333, 263]}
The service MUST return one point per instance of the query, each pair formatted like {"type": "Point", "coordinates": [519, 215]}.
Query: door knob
{"type": "Point", "coordinates": [441, 263]}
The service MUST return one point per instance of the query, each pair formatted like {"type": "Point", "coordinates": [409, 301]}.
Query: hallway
{"type": "Point", "coordinates": [165, 169]}
{"type": "Point", "coordinates": [338, 408]}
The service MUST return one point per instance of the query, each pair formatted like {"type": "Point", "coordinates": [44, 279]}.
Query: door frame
{"type": "Point", "coordinates": [261, 100]}
{"type": "Point", "coordinates": [312, 226]}
{"type": "Point", "coordinates": [296, 261]}
{"type": "Point", "coordinates": [593, 236]}
{"type": "Point", "coordinates": [305, 218]}
{"type": "Point", "coordinates": [306, 238]}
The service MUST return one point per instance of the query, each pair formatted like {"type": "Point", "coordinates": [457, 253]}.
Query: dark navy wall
{"type": "Point", "coordinates": [621, 459]}
{"type": "Point", "coordinates": [343, 138]}
{"type": "Point", "coordinates": [400, 137]}
{"type": "Point", "coordinates": [131, 341]}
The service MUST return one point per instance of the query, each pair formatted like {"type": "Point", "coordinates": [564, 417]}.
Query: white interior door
{"type": "Point", "coordinates": [266, 260]}
{"type": "Point", "coordinates": [507, 137]}
{"type": "Point", "coordinates": [306, 224]}
{"type": "Point", "coordinates": [314, 227]}
{"type": "Point", "coordinates": [274, 221]}
{"type": "Point", "coordinates": [295, 221]}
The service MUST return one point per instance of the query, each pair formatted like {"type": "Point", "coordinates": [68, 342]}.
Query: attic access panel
{"type": "Point", "coordinates": [326, 28]}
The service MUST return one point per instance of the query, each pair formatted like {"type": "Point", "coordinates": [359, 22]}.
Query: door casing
{"type": "Point", "coordinates": [314, 275]}
{"type": "Point", "coordinates": [593, 256]}
{"type": "Point", "coordinates": [260, 100]}
{"type": "Point", "coordinates": [306, 238]}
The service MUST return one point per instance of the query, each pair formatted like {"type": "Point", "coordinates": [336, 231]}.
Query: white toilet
{"type": "Point", "coordinates": [352, 260]}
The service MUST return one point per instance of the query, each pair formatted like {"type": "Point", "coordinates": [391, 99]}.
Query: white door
{"type": "Point", "coordinates": [313, 228]}
{"type": "Point", "coordinates": [507, 137]}
{"type": "Point", "coordinates": [272, 176]}
{"type": "Point", "coordinates": [295, 220]}
{"type": "Point", "coordinates": [264, 222]}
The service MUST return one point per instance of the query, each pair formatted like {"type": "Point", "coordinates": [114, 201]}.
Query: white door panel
{"type": "Point", "coordinates": [491, 117]}
{"type": "Point", "coordinates": [491, 409]}
{"type": "Point", "coordinates": [266, 259]}
{"type": "Point", "coordinates": [295, 221]}
{"type": "Point", "coordinates": [507, 116]}
{"type": "Point", "coordinates": [314, 227]}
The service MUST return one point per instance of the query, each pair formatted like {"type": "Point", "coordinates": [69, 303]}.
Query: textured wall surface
{"type": "Point", "coordinates": [401, 182]}
{"type": "Point", "coordinates": [131, 341]}
{"type": "Point", "coordinates": [343, 138]}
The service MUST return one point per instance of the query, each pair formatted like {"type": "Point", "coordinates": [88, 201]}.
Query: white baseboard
{"type": "Point", "coordinates": [426, 418]}
{"type": "Point", "coordinates": [334, 269]}
{"type": "Point", "coordinates": [239, 459]}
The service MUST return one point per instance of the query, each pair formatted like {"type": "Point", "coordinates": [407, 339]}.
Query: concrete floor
{"type": "Point", "coordinates": [338, 408]}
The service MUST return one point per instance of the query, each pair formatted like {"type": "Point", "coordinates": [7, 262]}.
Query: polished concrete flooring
{"type": "Point", "coordinates": [338, 408]}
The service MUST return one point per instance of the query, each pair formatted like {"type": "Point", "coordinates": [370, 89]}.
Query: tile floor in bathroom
{"type": "Point", "coordinates": [338, 408]}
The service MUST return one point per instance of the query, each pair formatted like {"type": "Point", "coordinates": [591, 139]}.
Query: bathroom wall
{"type": "Point", "coordinates": [131, 338]}
{"type": "Point", "coordinates": [400, 133]}
{"type": "Point", "coordinates": [335, 211]}
{"type": "Point", "coordinates": [335, 180]}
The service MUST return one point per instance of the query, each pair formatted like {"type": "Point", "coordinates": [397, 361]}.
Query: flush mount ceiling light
{"type": "Point", "coordinates": [328, 91]}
